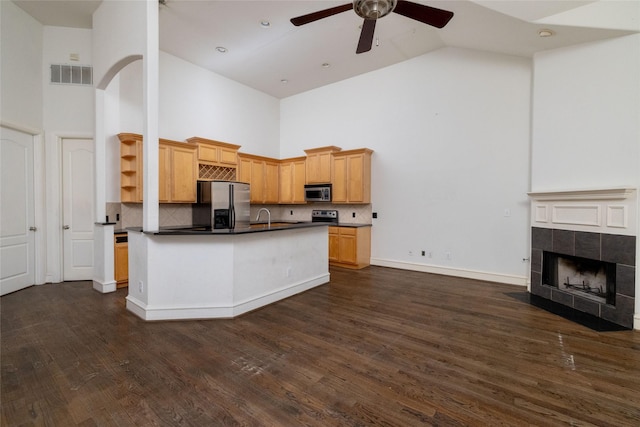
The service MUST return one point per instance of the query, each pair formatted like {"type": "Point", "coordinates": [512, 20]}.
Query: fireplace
{"type": "Point", "coordinates": [589, 272]}
{"type": "Point", "coordinates": [584, 277]}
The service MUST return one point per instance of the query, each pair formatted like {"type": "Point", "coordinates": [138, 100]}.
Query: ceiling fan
{"type": "Point", "coordinates": [372, 10]}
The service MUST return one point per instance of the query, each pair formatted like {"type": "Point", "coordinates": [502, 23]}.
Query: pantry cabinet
{"type": "Point", "coordinates": [351, 176]}
{"type": "Point", "coordinates": [349, 247]}
{"type": "Point", "coordinates": [262, 175]}
{"type": "Point", "coordinates": [318, 169]}
{"type": "Point", "coordinates": [292, 177]}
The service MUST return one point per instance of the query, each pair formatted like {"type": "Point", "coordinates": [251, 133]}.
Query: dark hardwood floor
{"type": "Point", "coordinates": [374, 347]}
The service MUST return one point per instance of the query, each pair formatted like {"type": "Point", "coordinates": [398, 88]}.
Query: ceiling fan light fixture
{"type": "Point", "coordinates": [373, 9]}
{"type": "Point", "coordinates": [545, 32]}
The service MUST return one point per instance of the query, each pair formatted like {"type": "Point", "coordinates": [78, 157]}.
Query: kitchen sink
{"type": "Point", "coordinates": [274, 224]}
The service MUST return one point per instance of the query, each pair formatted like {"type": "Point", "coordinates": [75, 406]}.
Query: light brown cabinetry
{"type": "Point", "coordinates": [350, 247]}
{"type": "Point", "coordinates": [177, 173]}
{"type": "Point", "coordinates": [319, 164]}
{"type": "Point", "coordinates": [130, 167]}
{"type": "Point", "coordinates": [177, 168]}
{"type": "Point", "coordinates": [292, 178]}
{"type": "Point", "coordinates": [351, 176]}
{"type": "Point", "coordinates": [121, 260]}
{"type": "Point", "coordinates": [262, 173]}
{"type": "Point", "coordinates": [216, 160]}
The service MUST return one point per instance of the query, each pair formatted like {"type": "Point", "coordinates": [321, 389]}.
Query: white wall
{"type": "Point", "coordinates": [21, 68]}
{"type": "Point", "coordinates": [67, 107]}
{"type": "Point", "coordinates": [195, 102]}
{"type": "Point", "coordinates": [450, 130]}
{"type": "Point", "coordinates": [586, 116]}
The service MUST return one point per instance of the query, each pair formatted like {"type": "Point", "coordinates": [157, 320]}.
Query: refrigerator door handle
{"type": "Point", "coordinates": [232, 209]}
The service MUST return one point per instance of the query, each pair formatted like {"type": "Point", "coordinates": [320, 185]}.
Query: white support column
{"type": "Point", "coordinates": [150, 208]}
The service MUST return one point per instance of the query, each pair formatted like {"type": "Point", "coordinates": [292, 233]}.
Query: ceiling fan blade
{"type": "Point", "coordinates": [366, 36]}
{"type": "Point", "coordinates": [305, 19]}
{"type": "Point", "coordinates": [429, 15]}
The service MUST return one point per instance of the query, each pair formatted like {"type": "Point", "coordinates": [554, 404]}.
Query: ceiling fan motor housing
{"type": "Point", "coordinates": [373, 9]}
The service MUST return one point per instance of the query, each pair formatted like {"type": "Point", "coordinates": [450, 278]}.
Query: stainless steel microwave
{"type": "Point", "coordinates": [317, 192]}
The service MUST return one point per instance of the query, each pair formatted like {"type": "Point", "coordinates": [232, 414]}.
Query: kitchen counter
{"type": "Point", "coordinates": [253, 228]}
{"type": "Point", "coordinates": [187, 273]}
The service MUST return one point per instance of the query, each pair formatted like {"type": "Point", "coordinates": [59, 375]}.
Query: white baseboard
{"type": "Point", "coordinates": [449, 271]}
{"type": "Point", "coordinates": [636, 322]}
{"type": "Point", "coordinates": [147, 312]}
{"type": "Point", "coordinates": [105, 287]}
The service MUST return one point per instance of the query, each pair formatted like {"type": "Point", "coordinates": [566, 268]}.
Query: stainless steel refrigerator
{"type": "Point", "coordinates": [222, 205]}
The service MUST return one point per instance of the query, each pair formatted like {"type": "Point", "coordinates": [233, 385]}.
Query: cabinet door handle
{"type": "Point", "coordinates": [33, 229]}
{"type": "Point", "coordinates": [65, 227]}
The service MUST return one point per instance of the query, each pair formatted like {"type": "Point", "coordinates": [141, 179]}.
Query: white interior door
{"type": "Point", "coordinates": [17, 240]}
{"type": "Point", "coordinates": [77, 209]}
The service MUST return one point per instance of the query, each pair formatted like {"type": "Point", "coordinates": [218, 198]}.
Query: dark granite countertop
{"type": "Point", "coordinates": [253, 228]}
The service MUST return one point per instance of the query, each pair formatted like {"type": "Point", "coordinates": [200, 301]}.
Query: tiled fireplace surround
{"type": "Point", "coordinates": [619, 250]}
{"type": "Point", "coordinates": [562, 223]}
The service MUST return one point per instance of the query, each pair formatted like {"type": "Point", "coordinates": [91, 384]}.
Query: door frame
{"type": "Point", "coordinates": [39, 207]}
{"type": "Point", "coordinates": [55, 242]}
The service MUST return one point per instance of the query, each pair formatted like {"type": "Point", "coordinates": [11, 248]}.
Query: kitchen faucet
{"type": "Point", "coordinates": [268, 216]}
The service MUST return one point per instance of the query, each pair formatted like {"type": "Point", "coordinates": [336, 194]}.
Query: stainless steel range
{"type": "Point", "coordinates": [324, 215]}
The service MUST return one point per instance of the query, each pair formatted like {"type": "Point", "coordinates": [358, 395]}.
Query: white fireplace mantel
{"type": "Point", "coordinates": [602, 210]}
{"type": "Point", "coordinates": [618, 193]}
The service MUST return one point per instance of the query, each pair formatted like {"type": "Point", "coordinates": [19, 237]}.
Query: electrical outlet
{"type": "Point", "coordinates": [448, 255]}
{"type": "Point", "coordinates": [353, 214]}
{"type": "Point", "coordinates": [375, 214]}
{"type": "Point", "coordinates": [290, 212]}
{"type": "Point", "coordinates": [423, 253]}
{"type": "Point", "coordinates": [117, 217]}
{"type": "Point", "coordinates": [140, 286]}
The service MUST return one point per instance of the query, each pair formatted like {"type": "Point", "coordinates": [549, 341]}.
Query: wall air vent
{"type": "Point", "coordinates": [71, 74]}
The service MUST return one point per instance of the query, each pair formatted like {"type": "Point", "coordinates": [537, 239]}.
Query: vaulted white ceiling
{"type": "Point", "coordinates": [263, 58]}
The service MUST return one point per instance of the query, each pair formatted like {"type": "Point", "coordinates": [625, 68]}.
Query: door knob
{"type": "Point", "coordinates": [33, 228]}
{"type": "Point", "coordinates": [65, 227]}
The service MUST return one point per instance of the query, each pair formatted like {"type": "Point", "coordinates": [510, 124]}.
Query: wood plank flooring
{"type": "Point", "coordinates": [376, 346]}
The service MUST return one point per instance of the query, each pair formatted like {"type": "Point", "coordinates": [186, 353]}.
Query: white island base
{"type": "Point", "coordinates": [222, 275]}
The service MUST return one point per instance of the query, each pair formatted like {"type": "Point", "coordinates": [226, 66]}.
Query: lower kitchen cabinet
{"type": "Point", "coordinates": [121, 260]}
{"type": "Point", "coordinates": [349, 247]}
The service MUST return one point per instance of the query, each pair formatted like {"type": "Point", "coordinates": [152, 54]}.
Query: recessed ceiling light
{"type": "Point", "coordinates": [284, 81]}
{"type": "Point", "coordinates": [265, 24]}
{"type": "Point", "coordinates": [545, 33]}
{"type": "Point", "coordinates": [221, 49]}
{"type": "Point", "coordinates": [326, 65]}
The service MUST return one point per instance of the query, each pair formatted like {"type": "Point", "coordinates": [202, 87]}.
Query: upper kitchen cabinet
{"type": "Point", "coordinates": [292, 179]}
{"type": "Point", "coordinates": [351, 176]}
{"type": "Point", "coordinates": [216, 160]}
{"type": "Point", "coordinates": [176, 166]}
{"type": "Point", "coordinates": [319, 164]}
{"type": "Point", "coordinates": [262, 174]}
{"type": "Point", "coordinates": [178, 175]}
{"type": "Point", "coordinates": [130, 167]}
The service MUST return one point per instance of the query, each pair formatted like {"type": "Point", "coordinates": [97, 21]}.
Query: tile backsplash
{"type": "Point", "coordinates": [130, 214]}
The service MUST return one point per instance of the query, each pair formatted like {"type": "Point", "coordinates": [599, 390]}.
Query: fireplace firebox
{"type": "Point", "coordinates": [589, 278]}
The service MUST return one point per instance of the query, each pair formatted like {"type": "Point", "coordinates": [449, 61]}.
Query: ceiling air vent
{"type": "Point", "coordinates": [71, 74]}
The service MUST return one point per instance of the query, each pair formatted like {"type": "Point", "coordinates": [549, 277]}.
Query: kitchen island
{"type": "Point", "coordinates": [187, 273]}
